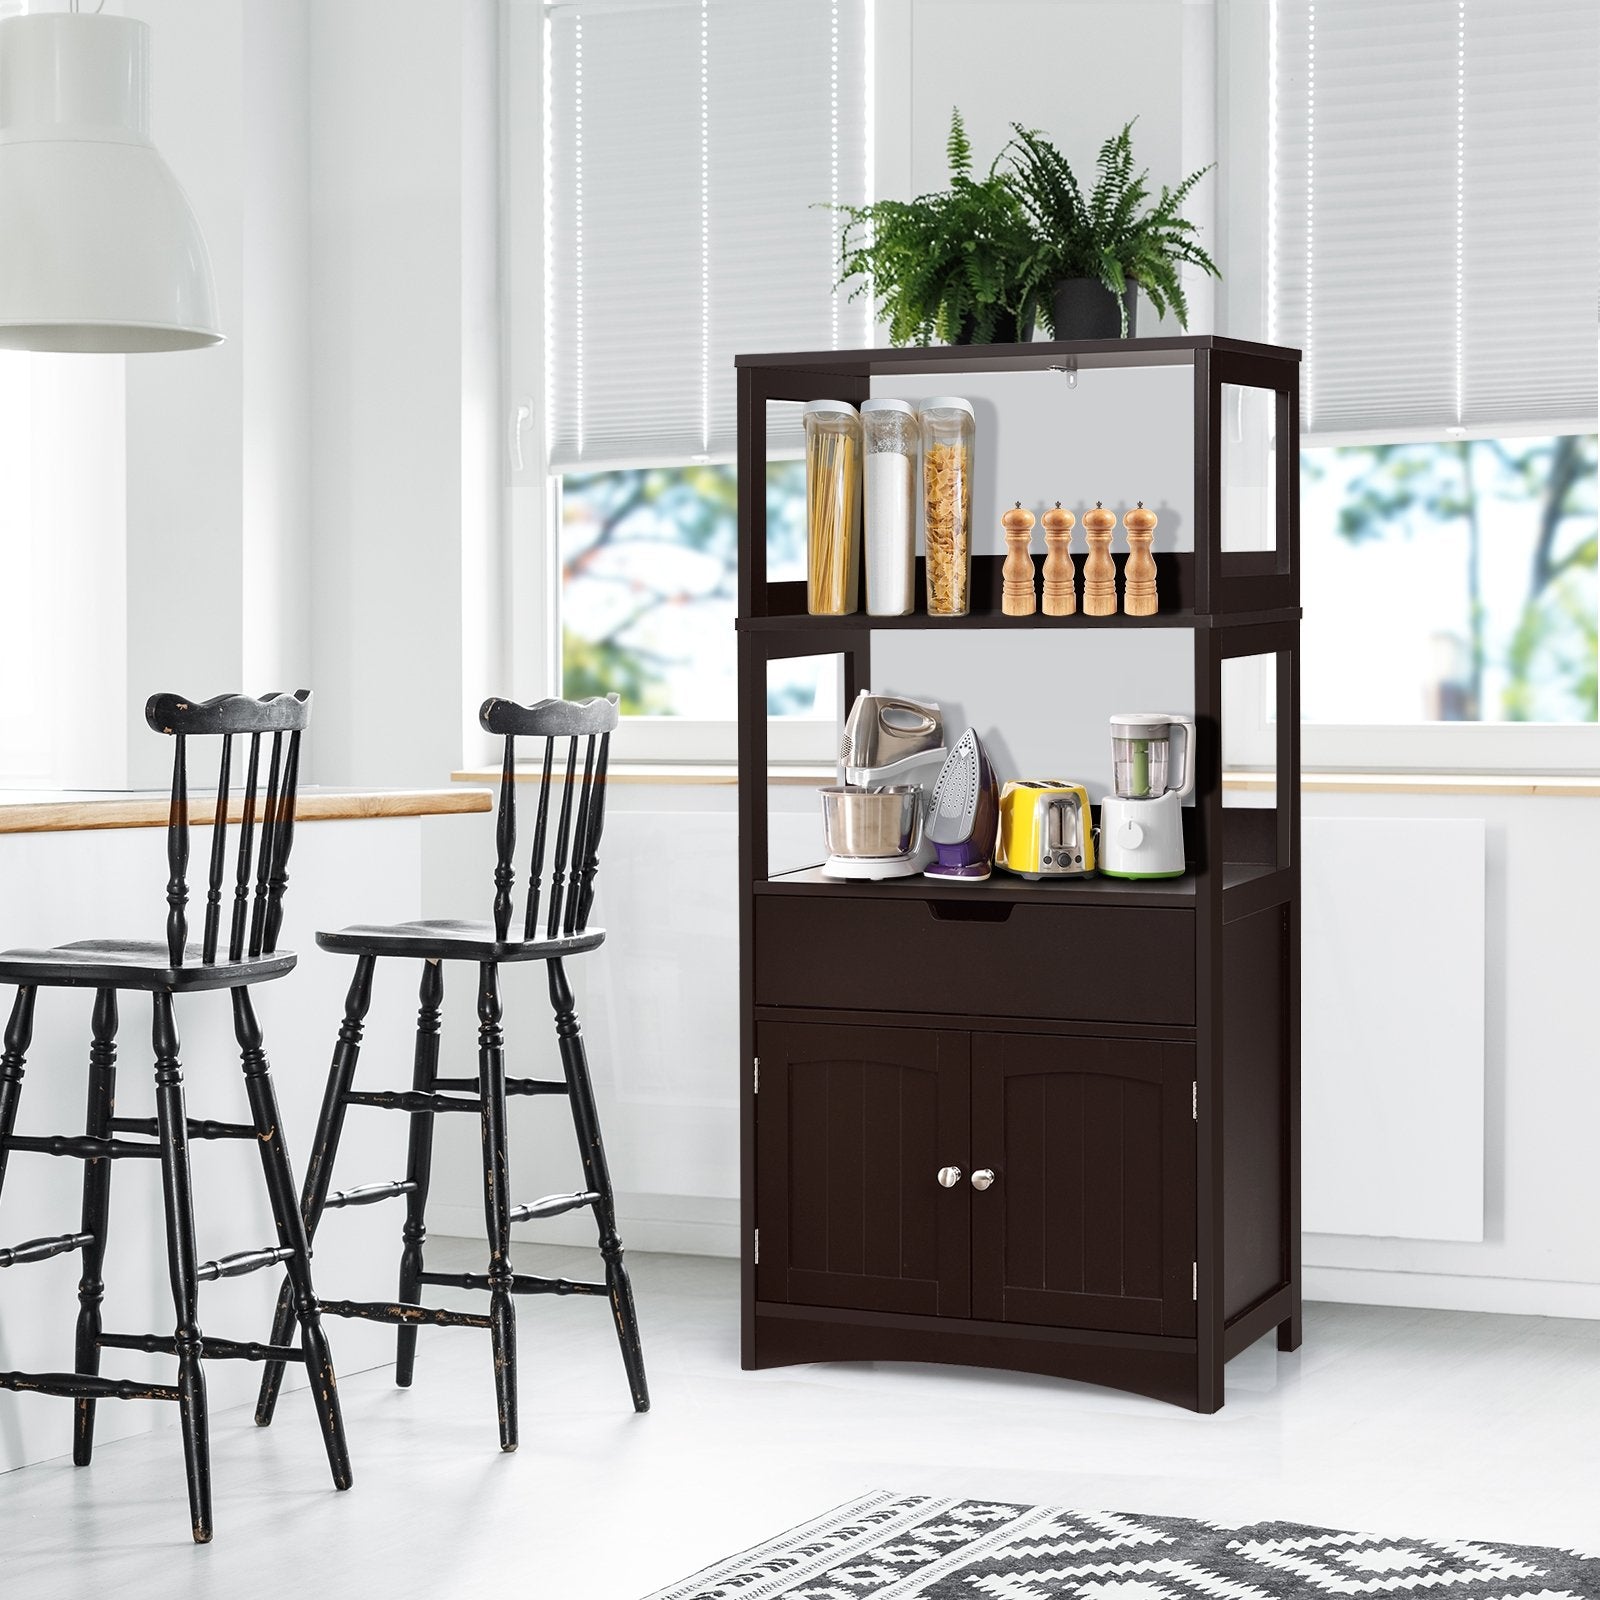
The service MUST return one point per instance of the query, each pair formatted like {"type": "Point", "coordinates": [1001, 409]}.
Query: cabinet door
{"type": "Point", "coordinates": [853, 1125]}
{"type": "Point", "coordinates": [1090, 1222]}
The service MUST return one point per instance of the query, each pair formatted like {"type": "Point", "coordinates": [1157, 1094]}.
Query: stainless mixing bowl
{"type": "Point", "coordinates": [871, 823]}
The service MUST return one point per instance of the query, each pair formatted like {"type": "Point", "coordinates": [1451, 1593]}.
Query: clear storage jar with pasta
{"type": "Point", "coordinates": [947, 432]}
{"type": "Point", "coordinates": [833, 507]}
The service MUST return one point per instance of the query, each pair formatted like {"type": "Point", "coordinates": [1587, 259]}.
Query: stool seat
{"type": "Point", "coordinates": [445, 939]}
{"type": "Point", "coordinates": [136, 964]}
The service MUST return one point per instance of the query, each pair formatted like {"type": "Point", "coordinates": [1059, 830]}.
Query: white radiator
{"type": "Point", "coordinates": [1393, 1034]}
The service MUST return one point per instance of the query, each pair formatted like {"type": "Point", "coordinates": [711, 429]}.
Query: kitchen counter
{"type": "Point", "coordinates": [71, 810]}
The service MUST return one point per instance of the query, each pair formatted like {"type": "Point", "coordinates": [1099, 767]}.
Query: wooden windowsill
{"type": "Point", "coordinates": [1545, 784]}
{"type": "Point", "coordinates": [67, 811]}
{"type": "Point", "coordinates": [724, 773]}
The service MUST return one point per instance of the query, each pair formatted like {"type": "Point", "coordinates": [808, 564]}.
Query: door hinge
{"type": "Point", "coordinates": [1194, 1282]}
{"type": "Point", "coordinates": [1194, 1100]}
{"type": "Point", "coordinates": [756, 1076]}
{"type": "Point", "coordinates": [757, 1260]}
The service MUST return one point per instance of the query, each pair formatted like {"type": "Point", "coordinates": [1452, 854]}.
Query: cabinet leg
{"type": "Point", "coordinates": [1209, 1382]}
{"type": "Point", "coordinates": [1289, 1329]}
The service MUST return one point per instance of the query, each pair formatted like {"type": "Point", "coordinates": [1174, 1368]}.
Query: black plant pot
{"type": "Point", "coordinates": [1083, 308]}
{"type": "Point", "coordinates": [1006, 330]}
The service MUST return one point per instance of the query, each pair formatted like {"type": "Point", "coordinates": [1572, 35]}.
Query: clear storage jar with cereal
{"type": "Point", "coordinates": [947, 431]}
{"type": "Point", "coordinates": [833, 507]}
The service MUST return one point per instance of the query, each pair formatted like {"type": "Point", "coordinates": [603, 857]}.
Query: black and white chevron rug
{"type": "Point", "coordinates": [918, 1547]}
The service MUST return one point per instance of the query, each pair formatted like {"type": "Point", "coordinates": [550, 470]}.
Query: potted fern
{"type": "Point", "coordinates": [1093, 254]}
{"type": "Point", "coordinates": [961, 265]}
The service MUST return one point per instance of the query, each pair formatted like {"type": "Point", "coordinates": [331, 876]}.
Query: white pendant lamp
{"type": "Point", "coordinates": [99, 247]}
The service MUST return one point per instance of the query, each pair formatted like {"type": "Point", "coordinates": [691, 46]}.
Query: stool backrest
{"type": "Point", "coordinates": [261, 871]}
{"type": "Point", "coordinates": [578, 827]}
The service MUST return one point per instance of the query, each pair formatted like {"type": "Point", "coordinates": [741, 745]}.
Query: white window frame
{"type": "Point", "coordinates": [533, 566]}
{"type": "Point", "coordinates": [1245, 164]}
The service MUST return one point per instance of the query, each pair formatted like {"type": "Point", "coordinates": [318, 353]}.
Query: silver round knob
{"type": "Point", "coordinates": [982, 1178]}
{"type": "Point", "coordinates": [949, 1177]}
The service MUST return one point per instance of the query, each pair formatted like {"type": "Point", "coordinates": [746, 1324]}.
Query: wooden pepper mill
{"type": "Point", "coordinates": [1016, 587]}
{"type": "Point", "coordinates": [1060, 580]}
{"type": "Point", "coordinates": [1139, 576]}
{"type": "Point", "coordinates": [1099, 571]}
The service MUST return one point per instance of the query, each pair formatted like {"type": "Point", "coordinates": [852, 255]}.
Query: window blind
{"type": "Point", "coordinates": [695, 146]}
{"type": "Point", "coordinates": [1434, 232]}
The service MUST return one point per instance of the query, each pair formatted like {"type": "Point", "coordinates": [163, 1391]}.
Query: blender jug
{"type": "Point", "coordinates": [1141, 755]}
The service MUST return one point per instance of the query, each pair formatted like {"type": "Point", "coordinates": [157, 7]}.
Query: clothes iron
{"type": "Point", "coordinates": [963, 815]}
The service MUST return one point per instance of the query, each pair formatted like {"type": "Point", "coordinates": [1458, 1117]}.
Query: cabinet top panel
{"type": "Point", "coordinates": [1039, 355]}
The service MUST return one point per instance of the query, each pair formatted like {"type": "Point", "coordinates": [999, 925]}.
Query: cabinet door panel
{"type": "Point", "coordinates": [1090, 1221]}
{"type": "Point", "coordinates": [852, 1127]}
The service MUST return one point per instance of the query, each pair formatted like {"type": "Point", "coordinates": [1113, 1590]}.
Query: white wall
{"type": "Point", "coordinates": [405, 392]}
{"type": "Point", "coordinates": [1540, 1250]}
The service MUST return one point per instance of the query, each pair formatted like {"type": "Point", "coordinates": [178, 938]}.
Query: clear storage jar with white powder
{"type": "Point", "coordinates": [890, 428]}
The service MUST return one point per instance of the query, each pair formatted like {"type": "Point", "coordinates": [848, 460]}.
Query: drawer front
{"type": "Point", "coordinates": [1072, 963]}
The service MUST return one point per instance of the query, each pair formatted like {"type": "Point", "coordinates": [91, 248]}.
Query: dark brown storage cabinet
{"type": "Point", "coordinates": [1140, 1119]}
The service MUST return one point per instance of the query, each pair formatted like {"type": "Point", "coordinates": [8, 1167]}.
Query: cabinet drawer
{"type": "Point", "coordinates": [1073, 963]}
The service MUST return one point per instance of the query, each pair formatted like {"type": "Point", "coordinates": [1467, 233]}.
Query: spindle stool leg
{"type": "Point", "coordinates": [597, 1177]}
{"type": "Point", "coordinates": [291, 1232]}
{"type": "Point", "coordinates": [173, 1132]}
{"type": "Point", "coordinates": [497, 1201]}
{"type": "Point", "coordinates": [96, 1211]}
{"type": "Point", "coordinates": [19, 1035]}
{"type": "Point", "coordinates": [319, 1171]}
{"type": "Point", "coordinates": [419, 1162]}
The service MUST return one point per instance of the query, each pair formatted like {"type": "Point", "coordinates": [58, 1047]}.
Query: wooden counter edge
{"type": "Point", "coordinates": [150, 811]}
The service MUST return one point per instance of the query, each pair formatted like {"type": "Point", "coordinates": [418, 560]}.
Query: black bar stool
{"type": "Point", "coordinates": [566, 933]}
{"type": "Point", "coordinates": [163, 970]}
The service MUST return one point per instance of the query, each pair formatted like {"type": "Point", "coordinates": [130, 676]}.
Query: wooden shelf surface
{"type": "Point", "coordinates": [1004, 888]}
{"type": "Point", "coordinates": [862, 621]}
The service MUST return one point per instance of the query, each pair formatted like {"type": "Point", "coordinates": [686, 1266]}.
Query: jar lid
{"type": "Point", "coordinates": [903, 406]}
{"type": "Point", "coordinates": [947, 402]}
{"type": "Point", "coordinates": [1140, 724]}
{"type": "Point", "coordinates": [815, 408]}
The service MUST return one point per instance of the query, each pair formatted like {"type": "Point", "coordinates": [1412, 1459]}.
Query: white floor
{"type": "Point", "coordinates": [1420, 1422]}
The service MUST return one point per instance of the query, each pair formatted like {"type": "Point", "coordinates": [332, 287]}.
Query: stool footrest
{"type": "Point", "coordinates": [163, 1344]}
{"type": "Point", "coordinates": [198, 1128]}
{"type": "Point", "coordinates": [368, 1194]}
{"type": "Point", "coordinates": [83, 1386]}
{"type": "Point", "coordinates": [43, 1249]}
{"type": "Point", "coordinates": [552, 1205]}
{"type": "Point", "coordinates": [405, 1316]}
{"type": "Point", "coordinates": [241, 1262]}
{"type": "Point", "coordinates": [79, 1146]}
{"type": "Point", "coordinates": [409, 1100]}
{"type": "Point", "coordinates": [521, 1283]}
{"type": "Point", "coordinates": [513, 1085]}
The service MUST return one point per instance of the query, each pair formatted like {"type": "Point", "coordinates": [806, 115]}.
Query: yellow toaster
{"type": "Point", "coordinates": [1045, 829]}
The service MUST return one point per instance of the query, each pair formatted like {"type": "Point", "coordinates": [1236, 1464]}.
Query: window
{"type": "Point", "coordinates": [648, 574]}
{"type": "Point", "coordinates": [1486, 607]}
{"type": "Point", "coordinates": [1416, 151]}
{"type": "Point", "coordinates": [695, 151]}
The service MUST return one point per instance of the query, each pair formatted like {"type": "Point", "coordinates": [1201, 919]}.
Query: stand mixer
{"type": "Point", "coordinates": [1141, 823]}
{"type": "Point", "coordinates": [875, 821]}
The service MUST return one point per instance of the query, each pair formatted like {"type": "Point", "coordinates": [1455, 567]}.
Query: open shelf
{"type": "Point", "coordinates": [784, 604]}
{"type": "Point", "coordinates": [1003, 888]}
{"type": "Point", "coordinates": [800, 622]}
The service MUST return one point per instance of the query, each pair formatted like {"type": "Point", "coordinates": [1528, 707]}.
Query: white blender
{"type": "Point", "coordinates": [1141, 823]}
